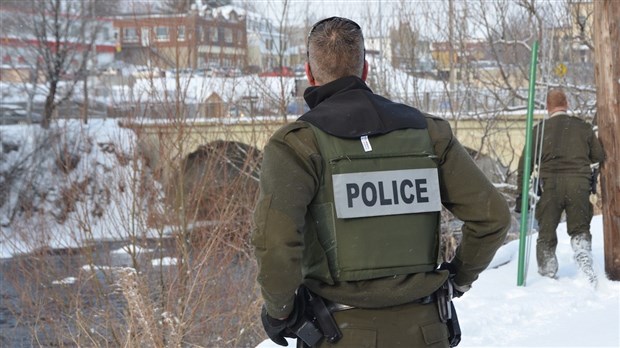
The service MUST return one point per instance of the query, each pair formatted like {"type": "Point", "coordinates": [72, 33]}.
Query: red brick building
{"type": "Point", "coordinates": [182, 40]}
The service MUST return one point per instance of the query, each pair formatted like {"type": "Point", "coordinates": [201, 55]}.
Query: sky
{"type": "Point", "coordinates": [566, 312]}
{"type": "Point", "coordinates": [374, 16]}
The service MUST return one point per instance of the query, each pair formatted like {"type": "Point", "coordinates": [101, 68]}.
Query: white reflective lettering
{"type": "Point", "coordinates": [386, 192]}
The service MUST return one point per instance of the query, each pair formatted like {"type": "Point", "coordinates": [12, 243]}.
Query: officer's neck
{"type": "Point", "coordinates": [557, 110]}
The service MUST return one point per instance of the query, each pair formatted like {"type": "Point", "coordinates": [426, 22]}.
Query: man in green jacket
{"type": "Point", "coordinates": [569, 147]}
{"type": "Point", "coordinates": [349, 207]}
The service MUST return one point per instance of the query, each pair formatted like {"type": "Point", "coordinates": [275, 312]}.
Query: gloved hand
{"type": "Point", "coordinates": [518, 202]}
{"type": "Point", "coordinates": [276, 329]}
{"type": "Point", "coordinates": [539, 188]}
{"type": "Point", "coordinates": [457, 290]}
{"type": "Point", "coordinates": [593, 181]}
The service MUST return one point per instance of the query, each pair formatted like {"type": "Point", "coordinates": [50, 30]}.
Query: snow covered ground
{"type": "Point", "coordinates": [105, 175]}
{"type": "Point", "coordinates": [566, 312]}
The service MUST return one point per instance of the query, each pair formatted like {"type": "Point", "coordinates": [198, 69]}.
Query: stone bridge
{"type": "Point", "coordinates": [163, 144]}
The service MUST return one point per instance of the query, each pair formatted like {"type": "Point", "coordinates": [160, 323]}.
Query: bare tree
{"type": "Point", "coordinates": [276, 41]}
{"type": "Point", "coordinates": [183, 6]}
{"type": "Point", "coordinates": [59, 37]}
{"type": "Point", "coordinates": [564, 60]}
{"type": "Point", "coordinates": [177, 6]}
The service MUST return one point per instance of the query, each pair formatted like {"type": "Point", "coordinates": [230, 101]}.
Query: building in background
{"type": "Point", "coordinates": [196, 40]}
{"type": "Point", "coordinates": [267, 44]}
{"type": "Point", "coordinates": [582, 13]}
{"type": "Point", "coordinates": [21, 51]}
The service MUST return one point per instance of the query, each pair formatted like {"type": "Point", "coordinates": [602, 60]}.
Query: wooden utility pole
{"type": "Point", "coordinates": [607, 73]}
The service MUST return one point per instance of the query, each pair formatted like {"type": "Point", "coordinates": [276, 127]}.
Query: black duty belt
{"type": "Point", "coordinates": [337, 307]}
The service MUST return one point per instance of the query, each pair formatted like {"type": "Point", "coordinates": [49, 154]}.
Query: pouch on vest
{"type": "Point", "coordinates": [377, 212]}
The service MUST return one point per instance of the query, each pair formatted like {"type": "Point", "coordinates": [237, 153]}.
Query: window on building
{"type": "Point", "coordinates": [181, 33]}
{"type": "Point", "coordinates": [105, 33]}
{"type": "Point", "coordinates": [201, 34]}
{"type": "Point", "coordinates": [130, 34]}
{"type": "Point", "coordinates": [75, 31]}
{"type": "Point", "coordinates": [268, 44]}
{"type": "Point", "coordinates": [162, 33]}
{"type": "Point", "coordinates": [213, 32]}
{"type": "Point", "coordinates": [228, 35]}
{"type": "Point", "coordinates": [145, 36]}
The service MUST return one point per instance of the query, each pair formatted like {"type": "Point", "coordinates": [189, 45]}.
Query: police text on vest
{"type": "Point", "coordinates": [389, 192]}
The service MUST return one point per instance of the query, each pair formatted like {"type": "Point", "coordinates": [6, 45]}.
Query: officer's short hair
{"type": "Point", "coordinates": [556, 97]}
{"type": "Point", "coordinates": [335, 49]}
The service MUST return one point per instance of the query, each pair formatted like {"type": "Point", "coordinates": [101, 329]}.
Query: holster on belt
{"type": "Point", "coordinates": [318, 316]}
{"type": "Point", "coordinates": [447, 313]}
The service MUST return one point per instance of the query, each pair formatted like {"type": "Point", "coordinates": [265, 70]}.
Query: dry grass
{"type": "Point", "coordinates": [206, 296]}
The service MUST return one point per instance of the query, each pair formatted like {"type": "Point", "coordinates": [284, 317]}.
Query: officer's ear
{"type": "Point", "coordinates": [365, 71]}
{"type": "Point", "coordinates": [309, 76]}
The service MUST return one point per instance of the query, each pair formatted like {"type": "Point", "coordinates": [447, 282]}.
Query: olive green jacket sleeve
{"type": "Point", "coordinates": [288, 182]}
{"type": "Point", "coordinates": [596, 149]}
{"type": "Point", "coordinates": [471, 197]}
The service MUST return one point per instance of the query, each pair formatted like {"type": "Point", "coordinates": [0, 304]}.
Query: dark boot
{"type": "Point", "coordinates": [547, 263]}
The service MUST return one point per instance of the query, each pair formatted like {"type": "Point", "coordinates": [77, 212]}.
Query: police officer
{"type": "Point", "coordinates": [569, 147]}
{"type": "Point", "coordinates": [349, 206]}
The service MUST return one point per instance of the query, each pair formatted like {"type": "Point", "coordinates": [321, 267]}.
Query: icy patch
{"type": "Point", "coordinates": [94, 268]}
{"type": "Point", "coordinates": [165, 261]}
{"type": "Point", "coordinates": [132, 249]}
{"type": "Point", "coordinates": [68, 280]}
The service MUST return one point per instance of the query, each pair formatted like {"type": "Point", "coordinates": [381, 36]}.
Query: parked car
{"type": "Point", "coordinates": [251, 69]}
{"type": "Point", "coordinates": [238, 111]}
{"type": "Point", "coordinates": [148, 73]}
{"type": "Point", "coordinates": [300, 71]}
{"type": "Point", "coordinates": [278, 71]}
{"type": "Point", "coordinates": [14, 114]}
{"type": "Point", "coordinates": [211, 71]}
{"type": "Point", "coordinates": [232, 72]}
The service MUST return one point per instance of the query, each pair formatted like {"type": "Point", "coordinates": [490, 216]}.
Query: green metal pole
{"type": "Point", "coordinates": [527, 166]}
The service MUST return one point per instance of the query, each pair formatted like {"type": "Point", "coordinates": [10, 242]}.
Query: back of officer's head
{"type": "Point", "coordinates": [556, 99]}
{"type": "Point", "coordinates": [335, 49]}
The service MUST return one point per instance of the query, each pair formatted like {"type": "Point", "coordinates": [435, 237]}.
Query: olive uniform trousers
{"type": "Point", "coordinates": [409, 325]}
{"type": "Point", "coordinates": [562, 193]}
